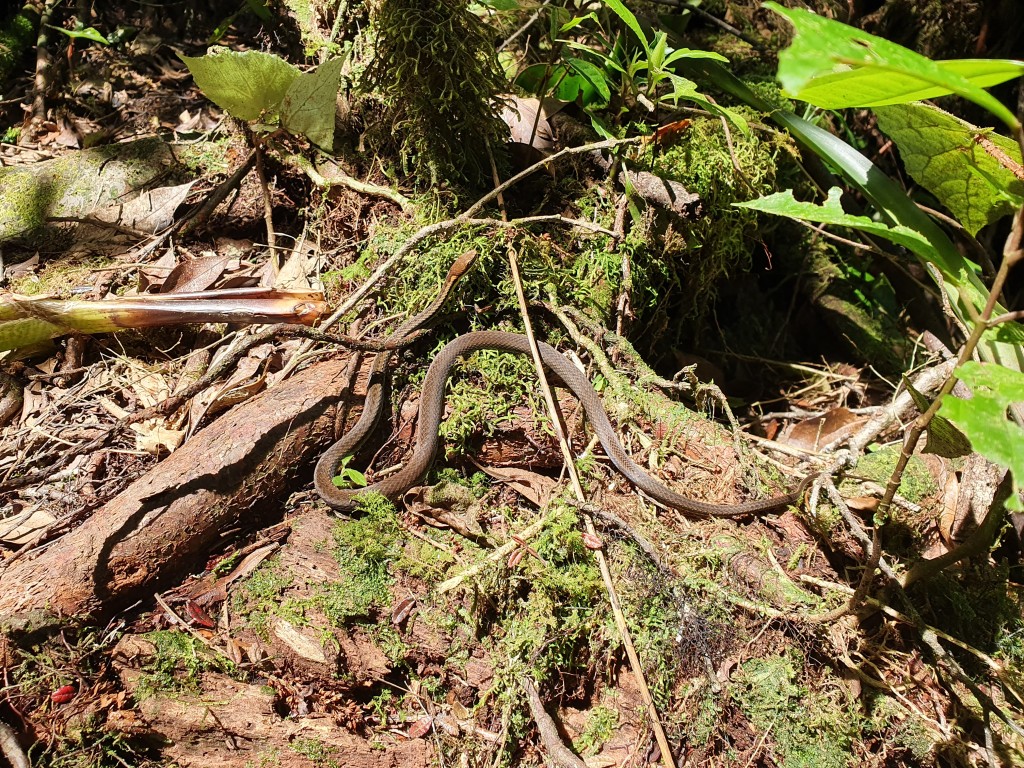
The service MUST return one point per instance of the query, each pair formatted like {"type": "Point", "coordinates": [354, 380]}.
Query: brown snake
{"type": "Point", "coordinates": [431, 413]}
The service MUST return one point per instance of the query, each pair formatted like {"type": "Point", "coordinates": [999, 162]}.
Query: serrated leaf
{"type": "Point", "coordinates": [970, 171]}
{"type": "Point", "coordinates": [249, 85]}
{"type": "Point", "coordinates": [943, 439]}
{"type": "Point", "coordinates": [832, 65]}
{"type": "Point", "coordinates": [984, 418]}
{"type": "Point", "coordinates": [309, 106]}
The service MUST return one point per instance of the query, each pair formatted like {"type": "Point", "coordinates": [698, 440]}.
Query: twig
{"type": "Point", "coordinates": [570, 467]}
{"type": "Point", "coordinates": [268, 207]}
{"type": "Point", "coordinates": [496, 555]}
{"type": "Point", "coordinates": [978, 542]}
{"type": "Point", "coordinates": [560, 754]}
{"type": "Point", "coordinates": [712, 19]}
{"type": "Point", "coordinates": [43, 58]}
{"type": "Point", "coordinates": [511, 38]}
{"type": "Point", "coordinates": [219, 368]}
{"type": "Point", "coordinates": [340, 178]}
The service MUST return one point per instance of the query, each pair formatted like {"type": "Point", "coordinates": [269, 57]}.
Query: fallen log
{"type": "Point", "coordinates": [164, 524]}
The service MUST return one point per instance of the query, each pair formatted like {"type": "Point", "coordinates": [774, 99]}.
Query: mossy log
{"type": "Point", "coordinates": [89, 183]}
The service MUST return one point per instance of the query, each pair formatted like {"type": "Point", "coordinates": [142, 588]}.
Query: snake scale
{"type": "Point", "coordinates": [431, 413]}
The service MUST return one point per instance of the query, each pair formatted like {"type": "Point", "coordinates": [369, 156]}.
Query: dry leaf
{"type": "Point", "coordinates": [536, 488]}
{"type": "Point", "coordinates": [303, 646]}
{"type": "Point", "coordinates": [830, 427]}
{"type": "Point", "coordinates": [24, 526]}
{"type": "Point", "coordinates": [421, 727]}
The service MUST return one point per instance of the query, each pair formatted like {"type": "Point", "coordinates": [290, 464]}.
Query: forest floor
{"type": "Point", "coordinates": [479, 621]}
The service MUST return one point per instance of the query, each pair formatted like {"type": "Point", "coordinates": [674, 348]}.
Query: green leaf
{"type": "Point", "coordinates": [969, 171]}
{"type": "Point", "coordinates": [577, 79]}
{"type": "Point", "coordinates": [259, 7]}
{"type": "Point", "coordinates": [831, 212]}
{"type": "Point", "coordinates": [89, 33]}
{"type": "Point", "coordinates": [984, 417]}
{"type": "Point", "coordinates": [630, 20]}
{"type": "Point", "coordinates": [832, 65]}
{"type": "Point", "coordinates": [943, 438]}
{"type": "Point", "coordinates": [588, 74]}
{"type": "Point", "coordinates": [309, 105]}
{"type": "Point", "coordinates": [960, 280]}
{"type": "Point", "coordinates": [349, 478]}
{"type": "Point", "coordinates": [247, 85]}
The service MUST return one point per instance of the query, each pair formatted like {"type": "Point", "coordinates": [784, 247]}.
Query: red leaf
{"type": "Point", "coordinates": [198, 615]}
{"type": "Point", "coordinates": [63, 695]}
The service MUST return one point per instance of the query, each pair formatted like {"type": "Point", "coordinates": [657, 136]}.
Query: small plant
{"type": "Point", "coordinates": [178, 661]}
{"type": "Point", "coordinates": [349, 477]}
{"type": "Point", "coordinates": [266, 91]}
{"type": "Point", "coordinates": [976, 174]}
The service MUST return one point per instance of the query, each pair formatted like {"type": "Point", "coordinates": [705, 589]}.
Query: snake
{"type": "Point", "coordinates": [431, 414]}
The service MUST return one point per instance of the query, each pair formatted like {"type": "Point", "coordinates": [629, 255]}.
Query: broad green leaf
{"type": "Point", "coordinates": [594, 77]}
{"type": "Point", "coordinates": [831, 212]}
{"type": "Point", "coordinates": [501, 5]}
{"type": "Point", "coordinates": [309, 105]}
{"type": "Point", "coordinates": [970, 171]}
{"type": "Point", "coordinates": [984, 417]}
{"type": "Point", "coordinates": [246, 85]}
{"type": "Point", "coordinates": [872, 87]}
{"type": "Point", "coordinates": [960, 280]}
{"type": "Point", "coordinates": [832, 65]}
{"type": "Point", "coordinates": [579, 80]}
{"type": "Point", "coordinates": [89, 33]}
{"type": "Point", "coordinates": [689, 53]}
{"type": "Point", "coordinates": [630, 21]}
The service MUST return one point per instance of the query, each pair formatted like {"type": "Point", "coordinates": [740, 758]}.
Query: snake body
{"type": "Point", "coordinates": [431, 413]}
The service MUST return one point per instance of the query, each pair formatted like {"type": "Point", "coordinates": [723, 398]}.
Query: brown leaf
{"type": "Point", "coordinates": [421, 727]}
{"type": "Point", "coordinates": [536, 488]}
{"type": "Point", "coordinates": [834, 425]}
{"type": "Point", "coordinates": [592, 541]}
{"type": "Point", "coordinates": [196, 274]}
{"type": "Point", "coordinates": [401, 611]}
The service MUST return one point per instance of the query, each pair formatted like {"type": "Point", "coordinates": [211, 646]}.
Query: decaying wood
{"type": "Point", "coordinates": [165, 523]}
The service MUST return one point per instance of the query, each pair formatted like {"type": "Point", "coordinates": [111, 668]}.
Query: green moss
{"type": "Point", "coordinates": [17, 33]}
{"type": "Point", "coordinates": [60, 277]}
{"type": "Point", "coordinates": [205, 157]}
{"type": "Point", "coordinates": [698, 253]}
{"type": "Point", "coordinates": [808, 728]}
{"type": "Point", "coordinates": [600, 727]}
{"type": "Point", "coordinates": [917, 482]}
{"type": "Point", "coordinates": [258, 597]}
{"type": "Point", "coordinates": [178, 663]}
{"type": "Point", "coordinates": [435, 69]}
{"type": "Point", "coordinates": [317, 752]}
{"type": "Point", "coordinates": [364, 548]}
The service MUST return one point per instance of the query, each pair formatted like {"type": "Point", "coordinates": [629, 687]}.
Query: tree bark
{"type": "Point", "coordinates": [231, 473]}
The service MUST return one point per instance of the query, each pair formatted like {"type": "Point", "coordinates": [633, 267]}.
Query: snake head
{"type": "Point", "coordinates": [461, 266]}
